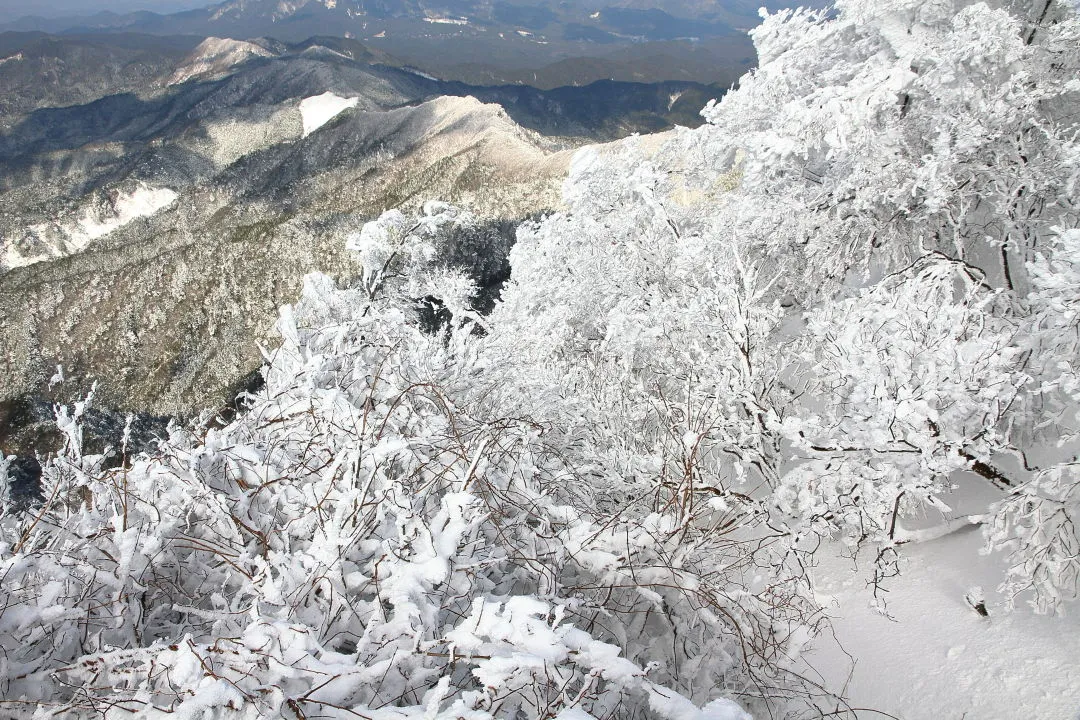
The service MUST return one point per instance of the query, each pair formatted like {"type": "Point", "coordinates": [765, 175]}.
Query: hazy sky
{"type": "Point", "coordinates": [11, 9]}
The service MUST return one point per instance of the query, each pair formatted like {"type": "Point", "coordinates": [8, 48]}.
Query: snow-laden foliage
{"type": "Point", "coordinates": [358, 543]}
{"type": "Point", "coordinates": [844, 298]}
{"type": "Point", "coordinates": [1039, 522]}
{"type": "Point", "coordinates": [853, 292]}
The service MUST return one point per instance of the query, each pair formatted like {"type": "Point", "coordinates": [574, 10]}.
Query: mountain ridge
{"type": "Point", "coordinates": [444, 38]}
{"type": "Point", "coordinates": [166, 308]}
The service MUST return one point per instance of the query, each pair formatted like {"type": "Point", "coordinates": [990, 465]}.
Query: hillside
{"type": "Point", "coordinates": [229, 252]}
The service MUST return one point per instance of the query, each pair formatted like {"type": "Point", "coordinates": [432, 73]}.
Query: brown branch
{"type": "Point", "coordinates": [987, 471]}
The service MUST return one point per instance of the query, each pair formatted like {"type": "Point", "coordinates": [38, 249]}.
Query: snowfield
{"type": "Point", "coordinates": [446, 21]}
{"type": "Point", "coordinates": [64, 238]}
{"type": "Point", "coordinates": [321, 109]}
{"type": "Point", "coordinates": [933, 657]}
{"type": "Point", "coordinates": [139, 203]}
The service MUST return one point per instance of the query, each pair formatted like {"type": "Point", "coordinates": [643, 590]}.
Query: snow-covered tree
{"type": "Point", "coordinates": [946, 161]}
{"type": "Point", "coordinates": [827, 287]}
{"type": "Point", "coordinates": [1038, 522]}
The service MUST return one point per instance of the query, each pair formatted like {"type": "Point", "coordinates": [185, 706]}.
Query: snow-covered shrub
{"type": "Point", "coordinates": [358, 542]}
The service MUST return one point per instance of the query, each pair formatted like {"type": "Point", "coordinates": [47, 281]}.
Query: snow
{"type": "Point", "coordinates": [321, 109]}
{"type": "Point", "coordinates": [446, 21]}
{"type": "Point", "coordinates": [216, 55]}
{"type": "Point", "coordinates": [675, 707]}
{"type": "Point", "coordinates": [938, 658]}
{"type": "Point", "coordinates": [143, 202]}
{"type": "Point", "coordinates": [420, 73]}
{"type": "Point", "coordinates": [323, 51]}
{"type": "Point", "coordinates": [17, 57]}
{"type": "Point", "coordinates": [65, 239]}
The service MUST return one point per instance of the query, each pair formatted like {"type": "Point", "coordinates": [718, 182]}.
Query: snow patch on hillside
{"type": "Point", "coordinates": [214, 56]}
{"type": "Point", "coordinates": [321, 109]}
{"type": "Point", "coordinates": [321, 51]}
{"type": "Point", "coordinates": [420, 73]}
{"type": "Point", "coordinates": [51, 240]}
{"type": "Point", "coordinates": [142, 202]}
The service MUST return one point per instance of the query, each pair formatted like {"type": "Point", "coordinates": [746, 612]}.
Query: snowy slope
{"type": "Point", "coordinates": [454, 148]}
{"type": "Point", "coordinates": [321, 109]}
{"type": "Point", "coordinates": [47, 241]}
{"type": "Point", "coordinates": [938, 659]}
{"type": "Point", "coordinates": [215, 56]}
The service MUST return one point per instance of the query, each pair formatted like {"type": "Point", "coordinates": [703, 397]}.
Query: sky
{"type": "Point", "coordinates": [12, 9]}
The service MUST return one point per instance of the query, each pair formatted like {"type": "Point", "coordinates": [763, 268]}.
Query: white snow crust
{"type": "Point", "coordinates": [62, 239]}
{"type": "Point", "coordinates": [936, 657]}
{"type": "Point", "coordinates": [142, 202]}
{"type": "Point", "coordinates": [321, 109]}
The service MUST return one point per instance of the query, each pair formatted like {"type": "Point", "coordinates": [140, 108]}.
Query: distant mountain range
{"type": "Point", "coordinates": [638, 19]}
{"type": "Point", "coordinates": [161, 197]}
{"type": "Point", "coordinates": [545, 43]}
{"type": "Point", "coordinates": [15, 9]}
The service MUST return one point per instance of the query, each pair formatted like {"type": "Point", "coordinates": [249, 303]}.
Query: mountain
{"type": "Point", "coordinates": [41, 70]}
{"type": "Point", "coordinates": [463, 40]}
{"type": "Point", "coordinates": [149, 234]}
{"type": "Point", "coordinates": [15, 9]}
{"type": "Point", "coordinates": [646, 21]}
